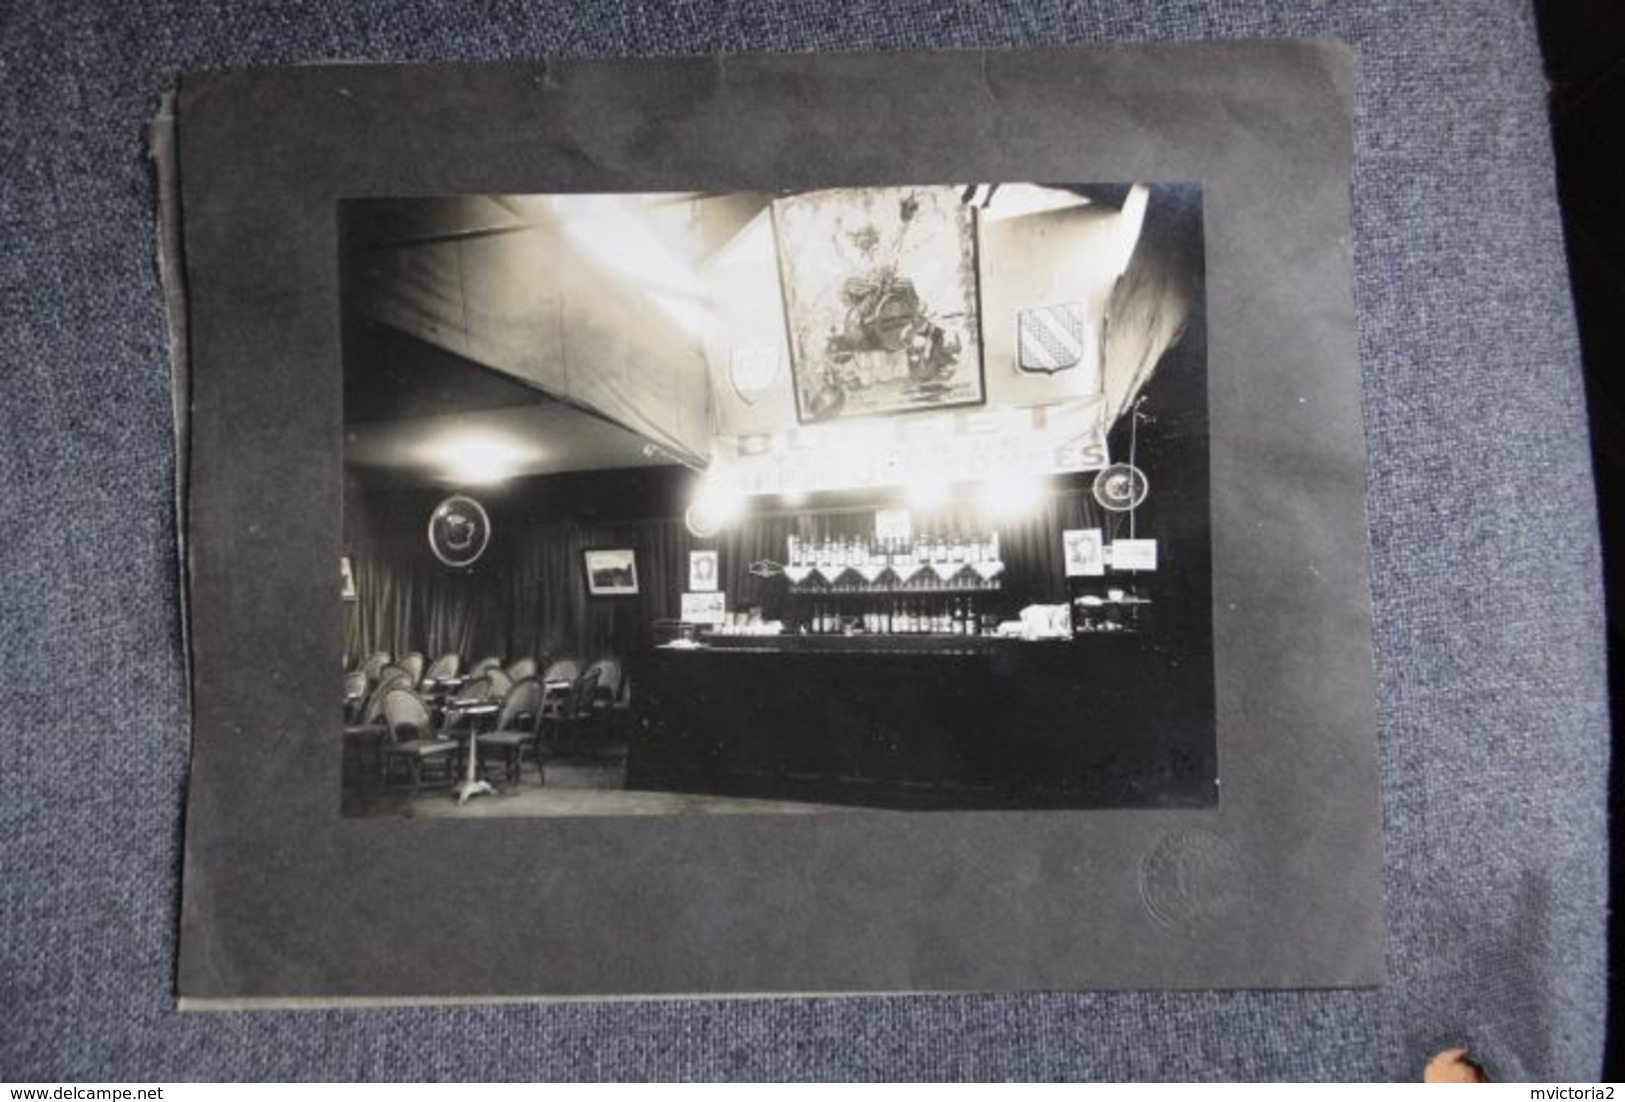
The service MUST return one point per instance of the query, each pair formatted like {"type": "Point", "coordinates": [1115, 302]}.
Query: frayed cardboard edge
{"type": "Point", "coordinates": [163, 152]}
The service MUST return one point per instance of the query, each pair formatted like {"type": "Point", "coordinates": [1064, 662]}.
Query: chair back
{"type": "Point", "coordinates": [500, 683]}
{"type": "Point", "coordinates": [490, 662]}
{"type": "Point", "coordinates": [355, 694]}
{"type": "Point", "coordinates": [562, 669]}
{"type": "Point", "coordinates": [373, 665]}
{"type": "Point", "coordinates": [610, 676]}
{"type": "Point", "coordinates": [522, 708]}
{"type": "Point", "coordinates": [445, 666]}
{"type": "Point", "coordinates": [579, 702]}
{"type": "Point", "coordinates": [413, 664]}
{"type": "Point", "coordinates": [476, 691]}
{"type": "Point", "coordinates": [374, 712]}
{"type": "Point", "coordinates": [525, 667]}
{"type": "Point", "coordinates": [406, 716]}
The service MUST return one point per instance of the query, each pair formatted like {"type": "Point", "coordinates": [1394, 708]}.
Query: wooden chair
{"type": "Point", "coordinates": [444, 668]}
{"type": "Point", "coordinates": [355, 695]}
{"type": "Point", "coordinates": [490, 662]}
{"type": "Point", "coordinates": [575, 714]}
{"type": "Point", "coordinates": [522, 669]}
{"type": "Point", "coordinates": [364, 734]}
{"type": "Point", "coordinates": [613, 699]}
{"type": "Point", "coordinates": [413, 664]}
{"type": "Point", "coordinates": [411, 738]}
{"type": "Point", "coordinates": [370, 719]}
{"type": "Point", "coordinates": [517, 727]}
{"type": "Point", "coordinates": [373, 665]}
{"type": "Point", "coordinates": [560, 674]}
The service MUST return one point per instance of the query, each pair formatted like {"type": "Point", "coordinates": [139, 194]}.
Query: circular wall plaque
{"type": "Point", "coordinates": [1120, 487]}
{"type": "Point", "coordinates": [701, 521]}
{"type": "Point", "coordinates": [459, 531]}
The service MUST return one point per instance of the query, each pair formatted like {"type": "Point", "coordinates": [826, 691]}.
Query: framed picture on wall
{"type": "Point", "coordinates": [880, 298]}
{"type": "Point", "coordinates": [1084, 556]}
{"type": "Point", "coordinates": [611, 572]}
{"type": "Point", "coordinates": [702, 571]}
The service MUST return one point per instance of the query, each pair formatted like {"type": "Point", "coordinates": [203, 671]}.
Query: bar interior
{"type": "Point", "coordinates": [889, 498]}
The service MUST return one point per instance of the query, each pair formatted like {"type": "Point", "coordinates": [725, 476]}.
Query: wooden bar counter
{"type": "Point", "coordinates": [1111, 719]}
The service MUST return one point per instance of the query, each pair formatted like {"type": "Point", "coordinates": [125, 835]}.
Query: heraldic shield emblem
{"type": "Point", "coordinates": [1051, 338]}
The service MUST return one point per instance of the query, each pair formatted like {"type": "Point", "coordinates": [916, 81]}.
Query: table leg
{"type": "Point", "coordinates": [472, 785]}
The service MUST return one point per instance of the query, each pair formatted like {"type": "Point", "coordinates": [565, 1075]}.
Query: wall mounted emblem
{"type": "Point", "coordinates": [1051, 338]}
{"type": "Point", "coordinates": [459, 531]}
{"type": "Point", "coordinates": [753, 371]}
{"type": "Point", "coordinates": [1120, 487]}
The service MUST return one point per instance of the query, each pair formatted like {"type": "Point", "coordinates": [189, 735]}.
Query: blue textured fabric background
{"type": "Point", "coordinates": [1489, 648]}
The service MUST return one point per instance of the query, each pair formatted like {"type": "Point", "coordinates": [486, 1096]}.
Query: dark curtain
{"type": "Point", "coordinates": [409, 602]}
{"type": "Point", "coordinates": [550, 611]}
{"type": "Point", "coordinates": [529, 596]}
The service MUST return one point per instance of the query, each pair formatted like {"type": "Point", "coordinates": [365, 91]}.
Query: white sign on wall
{"type": "Point", "coordinates": [705, 608]}
{"type": "Point", "coordinates": [1133, 554]}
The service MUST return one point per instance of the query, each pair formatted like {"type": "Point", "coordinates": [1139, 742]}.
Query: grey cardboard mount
{"type": "Point", "coordinates": [1279, 885]}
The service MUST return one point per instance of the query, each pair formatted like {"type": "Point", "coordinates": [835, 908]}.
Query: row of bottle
{"type": "Point", "coordinates": [925, 581]}
{"type": "Point", "coordinates": [834, 552]}
{"type": "Point", "coordinates": [900, 616]}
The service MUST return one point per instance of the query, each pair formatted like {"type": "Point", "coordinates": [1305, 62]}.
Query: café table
{"type": "Point", "coordinates": [476, 712]}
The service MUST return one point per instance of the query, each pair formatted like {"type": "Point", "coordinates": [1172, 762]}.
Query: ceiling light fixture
{"type": "Point", "coordinates": [480, 460]}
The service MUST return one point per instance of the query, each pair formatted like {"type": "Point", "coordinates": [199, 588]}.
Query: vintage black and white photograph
{"type": "Point", "coordinates": [777, 502]}
{"type": "Point", "coordinates": [611, 573]}
{"type": "Point", "coordinates": [702, 571]}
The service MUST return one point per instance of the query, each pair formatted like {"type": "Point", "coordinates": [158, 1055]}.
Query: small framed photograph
{"type": "Point", "coordinates": [702, 571]}
{"type": "Point", "coordinates": [611, 572]}
{"type": "Point", "coordinates": [1084, 558]}
{"type": "Point", "coordinates": [347, 579]}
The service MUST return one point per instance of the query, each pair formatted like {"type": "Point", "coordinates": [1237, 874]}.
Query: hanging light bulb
{"type": "Point", "coordinates": [717, 503]}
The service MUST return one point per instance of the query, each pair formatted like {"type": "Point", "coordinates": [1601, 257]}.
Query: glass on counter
{"type": "Point", "coordinates": [1117, 609]}
{"type": "Point", "coordinates": [749, 622]}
